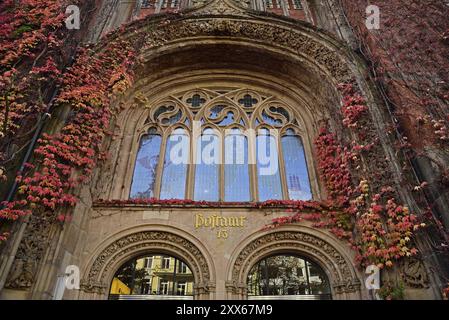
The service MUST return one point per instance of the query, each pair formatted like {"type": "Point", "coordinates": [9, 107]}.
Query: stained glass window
{"type": "Point", "coordinates": [297, 4]}
{"type": "Point", "coordinates": [248, 101]}
{"type": "Point", "coordinates": [196, 101]}
{"type": "Point", "coordinates": [146, 166]}
{"type": "Point", "coordinates": [295, 167]}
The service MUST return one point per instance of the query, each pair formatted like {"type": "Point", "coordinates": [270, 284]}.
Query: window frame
{"type": "Point", "coordinates": [308, 264]}
{"type": "Point", "coordinates": [252, 167]}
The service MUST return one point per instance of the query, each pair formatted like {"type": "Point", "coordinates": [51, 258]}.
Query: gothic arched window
{"type": "Point", "coordinates": [221, 145]}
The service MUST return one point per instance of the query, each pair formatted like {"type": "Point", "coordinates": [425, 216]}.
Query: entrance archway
{"type": "Point", "coordinates": [153, 277]}
{"type": "Point", "coordinates": [323, 252]}
{"type": "Point", "coordinates": [114, 255]}
{"type": "Point", "coordinates": [288, 276]}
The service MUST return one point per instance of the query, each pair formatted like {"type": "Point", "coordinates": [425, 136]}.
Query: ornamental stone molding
{"type": "Point", "coordinates": [100, 272]}
{"type": "Point", "coordinates": [224, 20]}
{"type": "Point", "coordinates": [218, 7]}
{"type": "Point", "coordinates": [30, 252]}
{"type": "Point", "coordinates": [215, 21]}
{"type": "Point", "coordinates": [413, 273]}
{"type": "Point", "coordinates": [292, 40]}
{"type": "Point", "coordinates": [341, 273]}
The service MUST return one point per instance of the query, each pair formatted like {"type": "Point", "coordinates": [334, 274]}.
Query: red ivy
{"type": "Point", "coordinates": [69, 156]}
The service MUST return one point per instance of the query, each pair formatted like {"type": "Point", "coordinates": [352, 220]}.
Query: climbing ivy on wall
{"type": "Point", "coordinates": [366, 213]}
{"type": "Point", "coordinates": [409, 56]}
{"type": "Point", "coordinates": [32, 30]}
{"type": "Point", "coordinates": [32, 51]}
{"type": "Point", "coordinates": [360, 208]}
{"type": "Point", "coordinates": [408, 59]}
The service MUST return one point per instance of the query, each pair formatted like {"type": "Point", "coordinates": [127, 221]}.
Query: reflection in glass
{"type": "Point", "coordinates": [207, 167]}
{"type": "Point", "coordinates": [236, 174]}
{"type": "Point", "coordinates": [162, 110]}
{"type": "Point", "coordinates": [227, 120]}
{"type": "Point", "coordinates": [287, 275]}
{"type": "Point", "coordinates": [215, 111]}
{"type": "Point", "coordinates": [152, 275]}
{"type": "Point", "coordinates": [295, 167]}
{"type": "Point", "coordinates": [146, 166]}
{"type": "Point", "coordinates": [174, 172]}
{"type": "Point", "coordinates": [268, 177]}
{"type": "Point", "coordinates": [270, 119]}
{"type": "Point", "coordinates": [172, 119]}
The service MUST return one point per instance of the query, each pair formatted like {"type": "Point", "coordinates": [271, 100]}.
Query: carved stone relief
{"type": "Point", "coordinates": [287, 37]}
{"type": "Point", "coordinates": [343, 279]}
{"type": "Point", "coordinates": [30, 253]}
{"type": "Point", "coordinates": [96, 281]}
{"type": "Point", "coordinates": [414, 274]}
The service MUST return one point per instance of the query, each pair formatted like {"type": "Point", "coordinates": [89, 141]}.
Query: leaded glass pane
{"type": "Point", "coordinates": [269, 179]}
{"type": "Point", "coordinates": [295, 167]}
{"type": "Point", "coordinates": [174, 172]}
{"type": "Point", "coordinates": [146, 166]}
{"type": "Point", "coordinates": [207, 167]}
{"type": "Point", "coordinates": [236, 167]}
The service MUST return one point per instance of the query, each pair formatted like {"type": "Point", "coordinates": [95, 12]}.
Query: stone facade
{"type": "Point", "coordinates": [219, 44]}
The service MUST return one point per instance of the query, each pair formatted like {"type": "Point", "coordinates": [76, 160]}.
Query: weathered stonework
{"type": "Point", "coordinates": [96, 278]}
{"type": "Point", "coordinates": [342, 273]}
{"type": "Point", "coordinates": [293, 61]}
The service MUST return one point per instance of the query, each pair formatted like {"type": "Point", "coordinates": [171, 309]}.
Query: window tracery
{"type": "Point", "coordinates": [224, 144]}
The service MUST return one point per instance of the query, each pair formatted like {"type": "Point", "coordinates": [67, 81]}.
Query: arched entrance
{"type": "Point", "coordinates": [300, 251]}
{"type": "Point", "coordinates": [174, 259]}
{"type": "Point", "coordinates": [288, 276]}
{"type": "Point", "coordinates": [153, 277]}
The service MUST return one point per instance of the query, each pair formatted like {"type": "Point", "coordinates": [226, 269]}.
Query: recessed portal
{"type": "Point", "coordinates": [153, 277]}
{"type": "Point", "coordinates": [288, 277]}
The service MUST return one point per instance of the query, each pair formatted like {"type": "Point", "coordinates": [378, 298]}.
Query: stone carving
{"type": "Point", "coordinates": [96, 278]}
{"type": "Point", "coordinates": [289, 38]}
{"type": "Point", "coordinates": [198, 3]}
{"type": "Point", "coordinates": [229, 21]}
{"type": "Point", "coordinates": [221, 7]}
{"type": "Point", "coordinates": [413, 273]}
{"type": "Point", "coordinates": [344, 281]}
{"type": "Point", "coordinates": [30, 252]}
{"type": "Point", "coordinates": [93, 287]}
{"type": "Point", "coordinates": [21, 275]}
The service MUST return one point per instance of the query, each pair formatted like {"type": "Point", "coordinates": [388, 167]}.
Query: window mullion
{"type": "Point", "coordinates": [281, 166]}
{"type": "Point", "coordinates": [221, 176]}
{"type": "Point", "coordinates": [252, 163]}
{"type": "Point", "coordinates": [191, 166]}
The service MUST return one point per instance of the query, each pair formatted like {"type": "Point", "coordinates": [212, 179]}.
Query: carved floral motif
{"type": "Point", "coordinates": [96, 281]}
{"type": "Point", "coordinates": [343, 279]}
